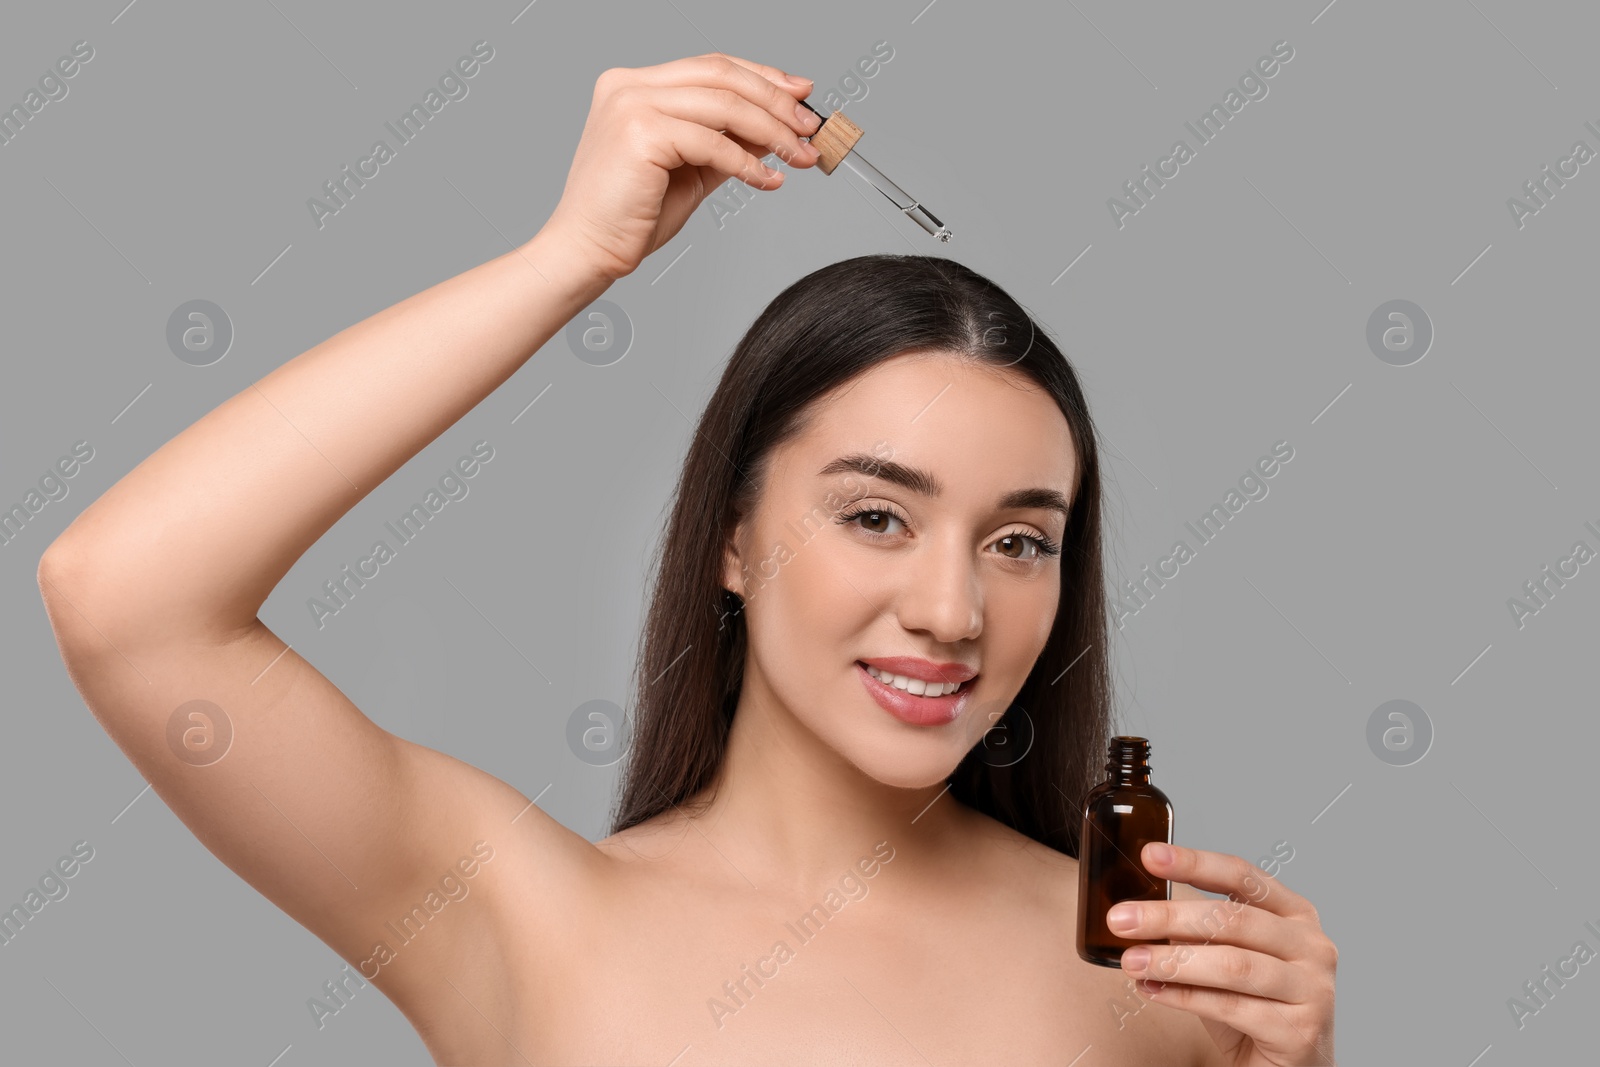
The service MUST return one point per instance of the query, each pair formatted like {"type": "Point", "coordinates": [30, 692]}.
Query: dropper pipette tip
{"type": "Point", "coordinates": [928, 221]}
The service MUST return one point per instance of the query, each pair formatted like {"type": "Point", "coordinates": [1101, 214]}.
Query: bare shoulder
{"type": "Point", "coordinates": [665, 850]}
{"type": "Point", "coordinates": [1011, 852]}
{"type": "Point", "coordinates": [647, 839]}
{"type": "Point", "coordinates": [1016, 875]}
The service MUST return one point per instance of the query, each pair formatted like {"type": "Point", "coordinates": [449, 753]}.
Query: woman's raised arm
{"type": "Point", "coordinates": [154, 589]}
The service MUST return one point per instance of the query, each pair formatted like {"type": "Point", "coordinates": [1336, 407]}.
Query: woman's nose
{"type": "Point", "coordinates": [942, 594]}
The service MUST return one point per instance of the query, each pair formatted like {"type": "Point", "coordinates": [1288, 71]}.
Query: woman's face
{"type": "Point", "coordinates": [957, 576]}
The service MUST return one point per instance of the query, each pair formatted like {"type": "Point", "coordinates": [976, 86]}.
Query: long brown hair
{"type": "Point", "coordinates": [820, 332]}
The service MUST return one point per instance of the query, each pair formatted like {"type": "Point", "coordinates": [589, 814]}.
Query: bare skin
{"type": "Point", "coordinates": [958, 948]}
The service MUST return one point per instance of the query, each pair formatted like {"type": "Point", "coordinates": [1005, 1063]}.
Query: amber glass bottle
{"type": "Point", "coordinates": [1120, 815]}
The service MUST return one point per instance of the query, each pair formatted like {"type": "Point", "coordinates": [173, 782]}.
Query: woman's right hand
{"type": "Point", "coordinates": [659, 139]}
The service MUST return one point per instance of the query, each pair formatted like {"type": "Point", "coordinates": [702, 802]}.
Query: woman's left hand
{"type": "Point", "coordinates": [1255, 967]}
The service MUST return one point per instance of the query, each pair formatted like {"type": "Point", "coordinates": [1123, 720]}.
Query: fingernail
{"type": "Point", "coordinates": [797, 81]}
{"type": "Point", "coordinates": [808, 118]}
{"type": "Point", "coordinates": [1149, 988]}
{"type": "Point", "coordinates": [1136, 958]}
{"type": "Point", "coordinates": [1161, 853]}
{"type": "Point", "coordinates": [1123, 917]}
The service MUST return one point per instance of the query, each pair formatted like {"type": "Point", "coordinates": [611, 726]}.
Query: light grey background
{"type": "Point", "coordinates": [1230, 313]}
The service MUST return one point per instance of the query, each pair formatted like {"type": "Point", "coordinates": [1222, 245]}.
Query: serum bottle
{"type": "Point", "coordinates": [1120, 815]}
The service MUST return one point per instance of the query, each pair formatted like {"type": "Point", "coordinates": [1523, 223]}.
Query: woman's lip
{"type": "Point", "coordinates": [916, 710]}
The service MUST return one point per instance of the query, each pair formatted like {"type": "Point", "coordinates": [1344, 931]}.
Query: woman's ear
{"type": "Point", "coordinates": [732, 565]}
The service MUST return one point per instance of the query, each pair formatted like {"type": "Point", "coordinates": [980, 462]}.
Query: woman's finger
{"type": "Point", "coordinates": [1221, 872]}
{"type": "Point", "coordinates": [781, 78]}
{"type": "Point", "coordinates": [1268, 1023]}
{"type": "Point", "coordinates": [713, 61]}
{"type": "Point", "coordinates": [716, 71]}
{"type": "Point", "coordinates": [761, 151]}
{"type": "Point", "coordinates": [1226, 922]}
{"type": "Point", "coordinates": [725, 110]}
{"type": "Point", "coordinates": [1219, 967]}
{"type": "Point", "coordinates": [701, 146]}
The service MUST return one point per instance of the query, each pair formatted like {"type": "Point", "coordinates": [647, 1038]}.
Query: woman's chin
{"type": "Point", "coordinates": [906, 772]}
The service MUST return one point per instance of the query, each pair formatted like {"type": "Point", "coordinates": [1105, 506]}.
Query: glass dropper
{"type": "Point", "coordinates": [902, 200]}
{"type": "Point", "coordinates": [897, 196]}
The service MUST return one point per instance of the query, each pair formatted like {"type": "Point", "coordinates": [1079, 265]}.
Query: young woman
{"type": "Point", "coordinates": [894, 489]}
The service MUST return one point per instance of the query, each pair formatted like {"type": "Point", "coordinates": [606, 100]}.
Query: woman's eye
{"type": "Point", "coordinates": [871, 520]}
{"type": "Point", "coordinates": [1019, 542]}
{"type": "Point", "coordinates": [1024, 548]}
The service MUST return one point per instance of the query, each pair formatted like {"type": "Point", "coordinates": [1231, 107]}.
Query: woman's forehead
{"type": "Point", "coordinates": [943, 408]}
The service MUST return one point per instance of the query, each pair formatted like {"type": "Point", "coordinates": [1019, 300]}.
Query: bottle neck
{"type": "Point", "coordinates": [1128, 760]}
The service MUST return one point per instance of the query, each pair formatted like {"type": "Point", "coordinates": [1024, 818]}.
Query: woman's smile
{"type": "Point", "coordinates": [894, 694]}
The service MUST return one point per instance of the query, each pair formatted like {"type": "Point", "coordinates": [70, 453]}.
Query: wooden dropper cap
{"type": "Point", "coordinates": [834, 138]}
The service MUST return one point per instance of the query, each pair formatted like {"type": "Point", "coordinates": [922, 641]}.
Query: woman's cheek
{"type": "Point", "coordinates": [1022, 616]}
{"type": "Point", "coordinates": [1045, 602]}
{"type": "Point", "coordinates": [824, 565]}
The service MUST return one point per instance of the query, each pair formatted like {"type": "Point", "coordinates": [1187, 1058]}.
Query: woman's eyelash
{"type": "Point", "coordinates": [856, 513]}
{"type": "Point", "coordinates": [1046, 545]}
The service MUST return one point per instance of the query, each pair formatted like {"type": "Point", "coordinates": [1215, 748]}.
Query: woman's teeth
{"type": "Point", "coordinates": [914, 686]}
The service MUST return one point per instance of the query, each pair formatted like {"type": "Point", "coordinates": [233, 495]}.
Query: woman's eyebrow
{"type": "Point", "coordinates": [923, 482]}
